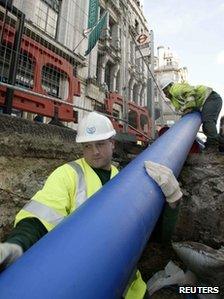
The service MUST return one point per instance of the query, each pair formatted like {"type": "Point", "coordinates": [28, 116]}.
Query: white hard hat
{"type": "Point", "coordinates": [94, 127]}
{"type": "Point", "coordinates": [165, 82]}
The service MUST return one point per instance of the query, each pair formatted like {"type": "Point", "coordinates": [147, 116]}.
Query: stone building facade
{"type": "Point", "coordinates": [167, 65]}
{"type": "Point", "coordinates": [112, 66]}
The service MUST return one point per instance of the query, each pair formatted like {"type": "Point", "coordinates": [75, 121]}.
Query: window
{"type": "Point", "coordinates": [108, 69]}
{"type": "Point", "coordinates": [46, 16]}
{"type": "Point", "coordinates": [55, 82]}
{"type": "Point", "coordinates": [144, 123]}
{"type": "Point", "coordinates": [99, 107]}
{"type": "Point", "coordinates": [117, 111]}
{"type": "Point", "coordinates": [169, 61]}
{"type": "Point", "coordinates": [136, 26]}
{"type": "Point", "coordinates": [102, 10]}
{"type": "Point", "coordinates": [98, 67]}
{"type": "Point", "coordinates": [132, 118]}
{"type": "Point", "coordinates": [25, 70]}
{"type": "Point", "coordinates": [118, 82]}
{"type": "Point", "coordinates": [136, 93]}
{"type": "Point", "coordinates": [113, 31]}
{"type": "Point", "coordinates": [5, 58]}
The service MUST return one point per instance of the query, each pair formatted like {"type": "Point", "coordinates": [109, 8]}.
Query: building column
{"type": "Point", "coordinates": [114, 72]}
{"type": "Point", "coordinates": [136, 99]}
{"type": "Point", "coordinates": [118, 81]}
{"type": "Point", "coordinates": [116, 41]}
{"type": "Point", "coordinates": [66, 33]}
{"type": "Point", "coordinates": [79, 20]}
{"type": "Point", "coordinates": [130, 86]}
{"type": "Point", "coordinates": [27, 7]}
{"type": "Point", "coordinates": [103, 63]}
{"type": "Point", "coordinates": [106, 31]}
{"type": "Point", "coordinates": [142, 95]}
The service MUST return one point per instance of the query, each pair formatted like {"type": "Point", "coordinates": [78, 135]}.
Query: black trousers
{"type": "Point", "coordinates": [210, 113]}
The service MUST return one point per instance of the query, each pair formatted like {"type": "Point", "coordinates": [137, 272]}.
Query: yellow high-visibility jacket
{"type": "Point", "coordinates": [186, 98]}
{"type": "Point", "coordinates": [64, 191]}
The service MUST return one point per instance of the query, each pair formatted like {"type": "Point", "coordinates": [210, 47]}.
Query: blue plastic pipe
{"type": "Point", "coordinates": [92, 253]}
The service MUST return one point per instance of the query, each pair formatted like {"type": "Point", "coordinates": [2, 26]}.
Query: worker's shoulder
{"type": "Point", "coordinates": [114, 168]}
{"type": "Point", "coordinates": [68, 167]}
{"type": "Point", "coordinates": [181, 85]}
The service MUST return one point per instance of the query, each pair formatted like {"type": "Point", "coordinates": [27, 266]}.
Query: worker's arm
{"type": "Point", "coordinates": [48, 207]}
{"type": "Point", "coordinates": [180, 95]}
{"type": "Point", "coordinates": [51, 204]}
{"type": "Point", "coordinates": [27, 232]}
{"type": "Point", "coordinates": [166, 180]}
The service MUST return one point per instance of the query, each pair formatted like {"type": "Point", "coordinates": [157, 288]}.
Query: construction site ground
{"type": "Point", "coordinates": [30, 151]}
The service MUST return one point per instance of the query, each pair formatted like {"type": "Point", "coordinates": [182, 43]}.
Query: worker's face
{"type": "Point", "coordinates": [98, 154]}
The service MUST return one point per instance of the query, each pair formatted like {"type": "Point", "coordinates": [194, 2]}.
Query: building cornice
{"type": "Point", "coordinates": [138, 11]}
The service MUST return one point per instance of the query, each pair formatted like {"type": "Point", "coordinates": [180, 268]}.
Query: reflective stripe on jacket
{"type": "Point", "coordinates": [64, 191]}
{"type": "Point", "coordinates": [185, 97]}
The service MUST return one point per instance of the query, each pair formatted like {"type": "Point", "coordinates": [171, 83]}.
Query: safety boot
{"type": "Point", "coordinates": [221, 144]}
{"type": "Point", "coordinates": [221, 149]}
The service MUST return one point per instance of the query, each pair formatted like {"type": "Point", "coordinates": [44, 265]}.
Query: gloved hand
{"type": "Point", "coordinates": [165, 178]}
{"type": "Point", "coordinates": [171, 275]}
{"type": "Point", "coordinates": [8, 254]}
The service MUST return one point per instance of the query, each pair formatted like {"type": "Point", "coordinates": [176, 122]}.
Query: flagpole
{"type": "Point", "coordinates": [78, 44]}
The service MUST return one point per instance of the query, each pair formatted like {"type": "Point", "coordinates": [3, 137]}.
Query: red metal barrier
{"type": "Point", "coordinates": [138, 117]}
{"type": "Point", "coordinates": [41, 57]}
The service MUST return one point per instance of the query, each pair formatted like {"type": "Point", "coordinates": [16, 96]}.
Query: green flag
{"type": "Point", "coordinates": [93, 13]}
{"type": "Point", "coordinates": [95, 33]}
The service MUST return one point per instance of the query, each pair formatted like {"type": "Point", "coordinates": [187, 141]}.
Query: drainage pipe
{"type": "Point", "coordinates": [92, 253]}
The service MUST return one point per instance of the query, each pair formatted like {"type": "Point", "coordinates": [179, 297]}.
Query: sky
{"type": "Point", "coordinates": [194, 31]}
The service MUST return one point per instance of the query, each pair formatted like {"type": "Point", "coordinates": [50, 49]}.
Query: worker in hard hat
{"type": "Point", "coordinates": [65, 190]}
{"type": "Point", "coordinates": [186, 98]}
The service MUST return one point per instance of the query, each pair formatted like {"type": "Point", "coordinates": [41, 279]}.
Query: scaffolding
{"type": "Point", "coordinates": [35, 75]}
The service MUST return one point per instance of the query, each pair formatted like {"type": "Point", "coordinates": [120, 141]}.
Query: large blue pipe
{"type": "Point", "coordinates": [92, 254]}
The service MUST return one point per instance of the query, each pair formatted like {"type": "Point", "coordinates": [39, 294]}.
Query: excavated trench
{"type": "Point", "coordinates": [200, 218]}
{"type": "Point", "coordinates": [30, 151]}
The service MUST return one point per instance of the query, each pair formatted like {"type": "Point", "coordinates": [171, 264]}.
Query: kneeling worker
{"type": "Point", "coordinates": [57, 199]}
{"type": "Point", "coordinates": [186, 98]}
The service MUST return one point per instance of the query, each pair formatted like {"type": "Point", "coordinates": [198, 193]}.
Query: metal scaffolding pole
{"type": "Point", "coordinates": [15, 59]}
{"type": "Point", "coordinates": [151, 85]}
